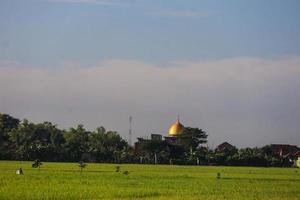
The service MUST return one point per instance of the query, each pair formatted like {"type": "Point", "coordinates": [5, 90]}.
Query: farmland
{"type": "Point", "coordinates": [101, 181]}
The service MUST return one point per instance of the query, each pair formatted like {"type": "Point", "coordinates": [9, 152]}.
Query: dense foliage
{"type": "Point", "coordinates": [29, 141]}
{"type": "Point", "coordinates": [44, 141]}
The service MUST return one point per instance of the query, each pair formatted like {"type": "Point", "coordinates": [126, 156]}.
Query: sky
{"type": "Point", "coordinates": [231, 68]}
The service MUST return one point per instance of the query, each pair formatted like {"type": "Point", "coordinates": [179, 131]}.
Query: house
{"type": "Point", "coordinates": [285, 150]}
{"type": "Point", "coordinates": [224, 147]}
{"type": "Point", "coordinates": [296, 154]}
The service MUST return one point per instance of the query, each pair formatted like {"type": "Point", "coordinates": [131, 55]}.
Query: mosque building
{"type": "Point", "coordinates": [283, 150]}
{"type": "Point", "coordinates": [174, 130]}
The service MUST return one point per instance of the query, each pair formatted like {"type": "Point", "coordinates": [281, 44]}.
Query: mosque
{"type": "Point", "coordinates": [283, 150]}
{"type": "Point", "coordinates": [174, 130]}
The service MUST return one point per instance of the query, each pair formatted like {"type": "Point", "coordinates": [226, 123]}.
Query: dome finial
{"type": "Point", "coordinates": [178, 118]}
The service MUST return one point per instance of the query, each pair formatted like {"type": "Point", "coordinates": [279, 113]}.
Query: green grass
{"type": "Point", "coordinates": [100, 181]}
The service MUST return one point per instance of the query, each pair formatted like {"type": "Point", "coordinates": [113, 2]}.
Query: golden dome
{"type": "Point", "coordinates": [176, 129]}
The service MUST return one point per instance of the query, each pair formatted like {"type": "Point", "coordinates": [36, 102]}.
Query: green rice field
{"type": "Point", "coordinates": [101, 181]}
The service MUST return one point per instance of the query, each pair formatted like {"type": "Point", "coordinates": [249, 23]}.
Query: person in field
{"type": "Point", "coordinates": [19, 171]}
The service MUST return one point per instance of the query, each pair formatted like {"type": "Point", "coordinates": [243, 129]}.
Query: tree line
{"type": "Point", "coordinates": [25, 140]}
{"type": "Point", "coordinates": [45, 141]}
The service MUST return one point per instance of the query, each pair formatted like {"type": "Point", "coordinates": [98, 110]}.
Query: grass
{"type": "Point", "coordinates": [101, 181]}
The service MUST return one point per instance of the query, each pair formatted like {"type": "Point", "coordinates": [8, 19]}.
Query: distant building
{"type": "Point", "coordinates": [174, 130]}
{"type": "Point", "coordinates": [139, 146]}
{"type": "Point", "coordinates": [285, 150]}
{"type": "Point", "coordinates": [296, 154]}
{"type": "Point", "coordinates": [224, 147]}
{"type": "Point", "coordinates": [157, 137]}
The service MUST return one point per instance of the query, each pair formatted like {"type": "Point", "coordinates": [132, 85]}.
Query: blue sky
{"type": "Point", "coordinates": [230, 67]}
{"type": "Point", "coordinates": [51, 32]}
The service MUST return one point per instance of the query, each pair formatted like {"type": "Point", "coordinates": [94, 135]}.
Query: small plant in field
{"type": "Point", "coordinates": [82, 165]}
{"type": "Point", "coordinates": [118, 168]}
{"type": "Point", "coordinates": [36, 164]}
{"type": "Point", "coordinates": [126, 173]}
{"type": "Point", "coordinates": [218, 175]}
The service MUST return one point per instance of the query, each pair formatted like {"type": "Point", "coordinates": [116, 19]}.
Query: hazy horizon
{"type": "Point", "coordinates": [229, 68]}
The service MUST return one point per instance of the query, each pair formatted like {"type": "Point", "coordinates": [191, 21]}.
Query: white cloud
{"type": "Point", "coordinates": [247, 101]}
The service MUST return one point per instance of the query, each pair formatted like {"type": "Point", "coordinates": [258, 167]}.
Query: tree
{"type": "Point", "coordinates": [77, 143]}
{"type": "Point", "coordinates": [201, 155]}
{"type": "Point", "coordinates": [22, 139]}
{"type": "Point", "coordinates": [37, 141]}
{"type": "Point", "coordinates": [177, 153]}
{"type": "Point", "coordinates": [107, 146]}
{"type": "Point", "coordinates": [157, 151]}
{"type": "Point", "coordinates": [7, 124]}
{"type": "Point", "coordinates": [191, 139]}
{"type": "Point", "coordinates": [127, 155]}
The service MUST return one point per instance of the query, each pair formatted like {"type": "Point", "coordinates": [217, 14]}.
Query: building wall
{"type": "Point", "coordinates": [157, 137]}
{"type": "Point", "coordinates": [298, 162]}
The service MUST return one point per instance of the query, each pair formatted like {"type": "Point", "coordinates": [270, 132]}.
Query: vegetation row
{"type": "Point", "coordinates": [45, 141]}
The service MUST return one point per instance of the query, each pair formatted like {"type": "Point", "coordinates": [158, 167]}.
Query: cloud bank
{"type": "Point", "coordinates": [181, 14]}
{"type": "Point", "coordinates": [98, 2]}
{"type": "Point", "coordinates": [246, 101]}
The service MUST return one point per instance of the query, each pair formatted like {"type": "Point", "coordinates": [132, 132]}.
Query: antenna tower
{"type": "Point", "coordinates": [130, 130]}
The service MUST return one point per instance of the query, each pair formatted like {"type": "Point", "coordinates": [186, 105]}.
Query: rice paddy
{"type": "Point", "coordinates": [101, 181]}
